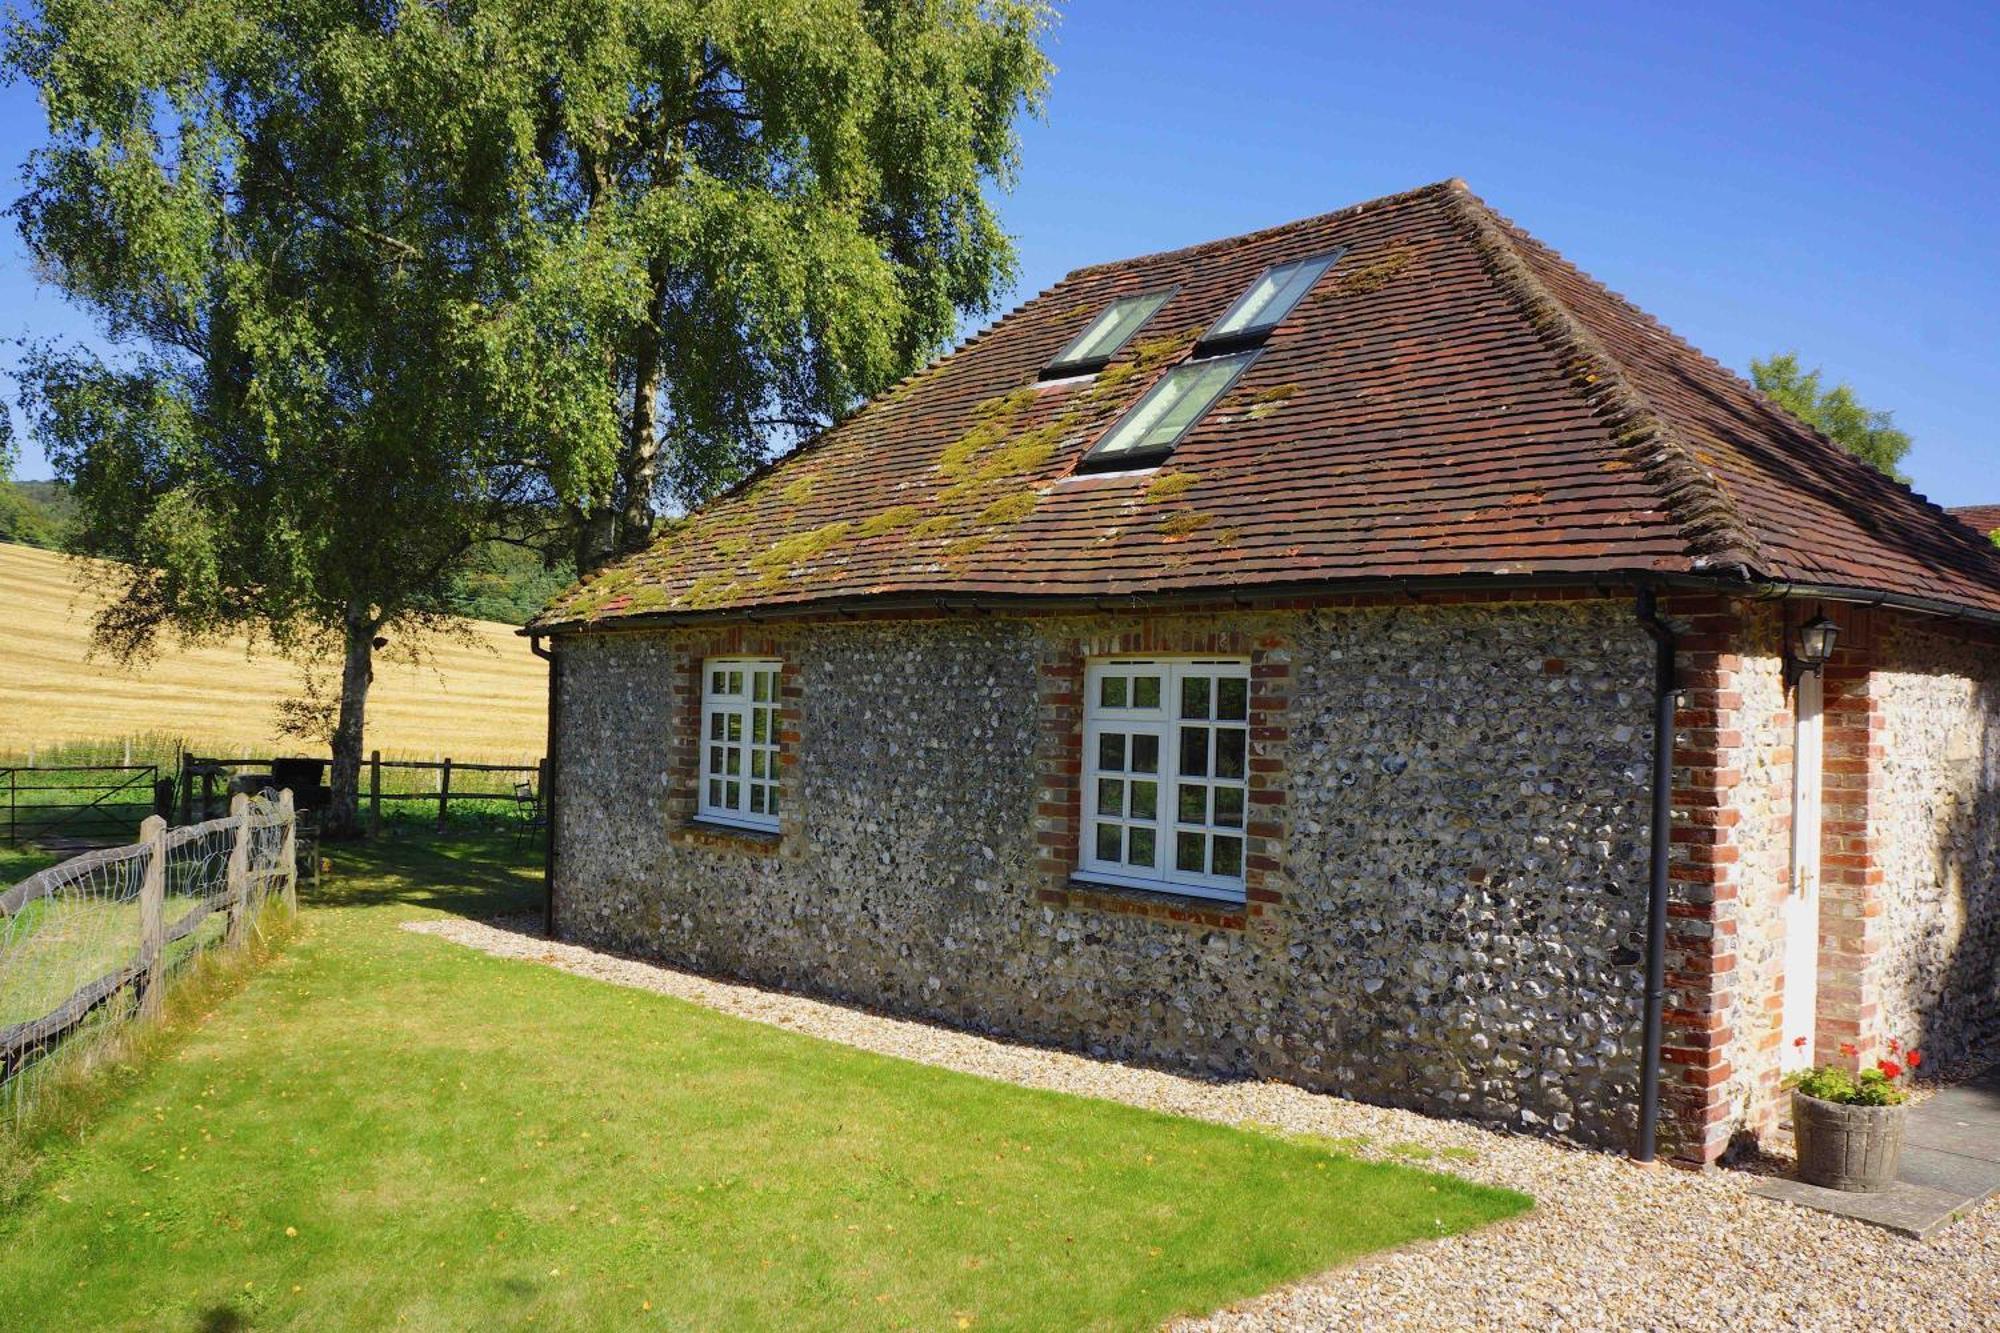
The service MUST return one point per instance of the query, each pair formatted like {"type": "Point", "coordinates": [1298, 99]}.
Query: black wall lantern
{"type": "Point", "coordinates": [1813, 648]}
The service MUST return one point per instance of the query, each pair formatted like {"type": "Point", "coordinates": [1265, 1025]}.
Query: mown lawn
{"type": "Point", "coordinates": [384, 1129]}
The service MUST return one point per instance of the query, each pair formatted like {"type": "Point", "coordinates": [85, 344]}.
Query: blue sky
{"type": "Point", "coordinates": [1760, 177]}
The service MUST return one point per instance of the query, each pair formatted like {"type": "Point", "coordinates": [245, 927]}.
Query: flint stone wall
{"type": "Point", "coordinates": [1935, 825]}
{"type": "Point", "coordinates": [1460, 897]}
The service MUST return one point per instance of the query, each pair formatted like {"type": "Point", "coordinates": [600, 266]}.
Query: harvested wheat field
{"type": "Point", "coordinates": [482, 701]}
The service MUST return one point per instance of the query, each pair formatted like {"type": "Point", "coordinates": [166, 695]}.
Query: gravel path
{"type": "Point", "coordinates": [1609, 1244]}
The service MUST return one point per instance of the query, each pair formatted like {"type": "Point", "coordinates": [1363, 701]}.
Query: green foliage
{"type": "Point", "coordinates": [552, 1151]}
{"type": "Point", "coordinates": [507, 582]}
{"type": "Point", "coordinates": [398, 281]}
{"type": "Point", "coordinates": [25, 518]}
{"type": "Point", "coordinates": [1835, 413]}
{"type": "Point", "coordinates": [1831, 1083]}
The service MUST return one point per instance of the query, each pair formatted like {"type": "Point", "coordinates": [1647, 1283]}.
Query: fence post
{"type": "Point", "coordinates": [444, 790]}
{"type": "Point", "coordinates": [374, 793]}
{"type": "Point", "coordinates": [152, 916]}
{"type": "Point", "coordinates": [289, 854]}
{"type": "Point", "coordinates": [239, 868]}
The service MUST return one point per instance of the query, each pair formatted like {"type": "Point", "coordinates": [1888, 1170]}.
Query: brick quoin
{"type": "Point", "coordinates": [1704, 879]}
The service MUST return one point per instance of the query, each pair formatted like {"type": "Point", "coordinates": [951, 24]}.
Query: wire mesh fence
{"type": "Point", "coordinates": [90, 943]}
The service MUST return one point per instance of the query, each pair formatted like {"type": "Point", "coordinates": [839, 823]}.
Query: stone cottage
{"type": "Point", "coordinates": [1249, 659]}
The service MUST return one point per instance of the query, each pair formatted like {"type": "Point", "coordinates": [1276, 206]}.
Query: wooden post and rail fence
{"type": "Point", "coordinates": [79, 915]}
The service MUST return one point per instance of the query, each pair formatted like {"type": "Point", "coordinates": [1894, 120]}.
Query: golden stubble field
{"type": "Point", "coordinates": [483, 702]}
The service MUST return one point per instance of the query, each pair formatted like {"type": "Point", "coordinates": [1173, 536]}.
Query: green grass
{"type": "Point", "coordinates": [17, 863]}
{"type": "Point", "coordinates": [383, 1129]}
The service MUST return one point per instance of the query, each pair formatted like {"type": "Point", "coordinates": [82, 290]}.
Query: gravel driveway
{"type": "Point", "coordinates": [1609, 1244]}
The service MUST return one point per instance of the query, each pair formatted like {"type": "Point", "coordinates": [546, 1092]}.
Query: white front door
{"type": "Point", "coordinates": [1802, 901]}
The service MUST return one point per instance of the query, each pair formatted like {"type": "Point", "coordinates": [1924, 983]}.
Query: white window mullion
{"type": "Point", "coordinates": [1140, 816]}
{"type": "Point", "coordinates": [739, 742]}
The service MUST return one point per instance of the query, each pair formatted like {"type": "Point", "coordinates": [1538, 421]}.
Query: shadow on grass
{"type": "Point", "coordinates": [463, 873]}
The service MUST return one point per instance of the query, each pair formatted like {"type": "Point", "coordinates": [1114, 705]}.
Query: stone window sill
{"type": "Point", "coordinates": [1159, 904]}
{"type": "Point", "coordinates": [708, 833]}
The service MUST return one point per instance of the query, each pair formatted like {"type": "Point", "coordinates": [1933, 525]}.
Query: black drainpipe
{"type": "Point", "coordinates": [549, 785]}
{"type": "Point", "coordinates": [1664, 700]}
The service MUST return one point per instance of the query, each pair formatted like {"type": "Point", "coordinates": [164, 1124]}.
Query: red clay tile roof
{"type": "Point", "coordinates": [1983, 519]}
{"type": "Point", "coordinates": [1451, 399]}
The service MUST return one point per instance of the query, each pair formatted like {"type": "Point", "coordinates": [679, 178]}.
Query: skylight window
{"type": "Point", "coordinates": [1269, 299]}
{"type": "Point", "coordinates": [1158, 421]}
{"type": "Point", "coordinates": [1096, 345]}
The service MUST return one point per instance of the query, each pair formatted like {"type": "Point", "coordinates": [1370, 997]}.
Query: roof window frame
{"type": "Point", "coordinates": [1061, 366]}
{"type": "Point", "coordinates": [1215, 343]}
{"type": "Point", "coordinates": [1134, 460]}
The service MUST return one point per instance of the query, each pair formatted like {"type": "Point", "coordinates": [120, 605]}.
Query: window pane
{"type": "Point", "coordinates": [756, 798]}
{"type": "Point", "coordinates": [1193, 799]}
{"type": "Point", "coordinates": [1145, 800]}
{"type": "Point", "coordinates": [715, 725]}
{"type": "Point", "coordinates": [718, 682]}
{"type": "Point", "coordinates": [757, 764]}
{"type": "Point", "coordinates": [1194, 696]}
{"type": "Point", "coordinates": [1110, 796]}
{"type": "Point", "coordinates": [1112, 329]}
{"type": "Point", "coordinates": [1188, 852]}
{"type": "Point", "coordinates": [1229, 752]}
{"type": "Point", "coordinates": [1200, 388]}
{"type": "Point", "coordinates": [733, 765]}
{"type": "Point", "coordinates": [1228, 856]}
{"type": "Point", "coordinates": [771, 801]}
{"type": "Point", "coordinates": [1145, 691]}
{"type": "Point", "coordinates": [1145, 754]}
{"type": "Point", "coordinates": [760, 686]}
{"type": "Point", "coordinates": [1194, 752]}
{"type": "Point", "coordinates": [1111, 692]}
{"type": "Point", "coordinates": [1142, 852]}
{"type": "Point", "coordinates": [1232, 698]}
{"type": "Point", "coordinates": [736, 682]}
{"type": "Point", "coordinates": [1111, 752]}
{"type": "Point", "coordinates": [1273, 295]}
{"type": "Point", "coordinates": [715, 758]}
{"type": "Point", "coordinates": [1228, 807]}
{"type": "Point", "coordinates": [1107, 842]}
{"type": "Point", "coordinates": [1173, 405]}
{"type": "Point", "coordinates": [732, 795]}
{"type": "Point", "coordinates": [1258, 297]}
{"type": "Point", "coordinates": [715, 791]}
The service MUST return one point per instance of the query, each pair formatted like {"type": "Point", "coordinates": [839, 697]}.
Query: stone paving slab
{"type": "Point", "coordinates": [1950, 1171]}
{"type": "Point", "coordinates": [1911, 1210]}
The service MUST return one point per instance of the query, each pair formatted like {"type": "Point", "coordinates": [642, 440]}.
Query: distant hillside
{"type": "Point", "coordinates": [482, 700]}
{"type": "Point", "coordinates": [35, 513]}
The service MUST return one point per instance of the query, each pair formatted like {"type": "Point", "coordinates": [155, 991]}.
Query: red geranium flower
{"type": "Point", "coordinates": [1889, 1068]}
{"type": "Point", "coordinates": [1915, 1058]}
{"type": "Point", "coordinates": [1849, 1048]}
{"type": "Point", "coordinates": [1798, 1041]}
{"type": "Point", "coordinates": [1894, 1046]}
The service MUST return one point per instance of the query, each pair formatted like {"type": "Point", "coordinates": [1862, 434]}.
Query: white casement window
{"type": "Point", "coordinates": [1166, 759]}
{"type": "Point", "coordinates": [739, 746]}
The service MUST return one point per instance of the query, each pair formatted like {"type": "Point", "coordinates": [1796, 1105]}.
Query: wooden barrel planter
{"type": "Point", "coordinates": [1841, 1147]}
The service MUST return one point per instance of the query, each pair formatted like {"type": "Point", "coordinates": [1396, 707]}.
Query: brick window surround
{"type": "Point", "coordinates": [1059, 772]}
{"type": "Point", "coordinates": [684, 824]}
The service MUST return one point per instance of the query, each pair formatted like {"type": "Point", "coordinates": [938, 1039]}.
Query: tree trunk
{"type": "Point", "coordinates": [357, 672]}
{"type": "Point", "coordinates": [641, 465]}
